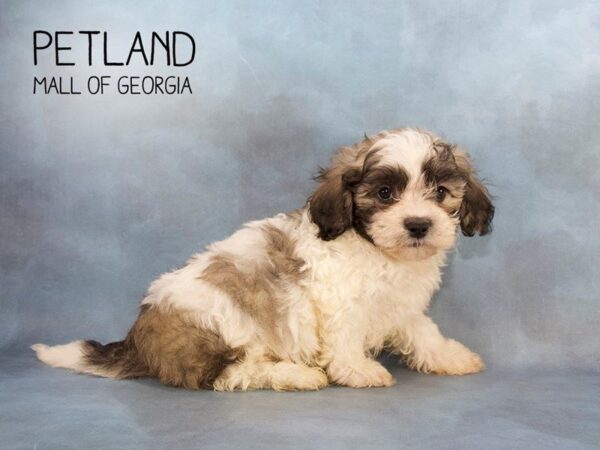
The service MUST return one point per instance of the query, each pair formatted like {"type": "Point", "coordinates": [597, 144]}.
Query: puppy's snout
{"type": "Point", "coordinates": [417, 226]}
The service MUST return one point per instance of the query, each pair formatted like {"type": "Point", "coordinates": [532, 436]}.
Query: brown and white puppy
{"type": "Point", "coordinates": [303, 299]}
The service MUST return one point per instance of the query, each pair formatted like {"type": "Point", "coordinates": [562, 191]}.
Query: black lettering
{"type": "Point", "coordinates": [137, 40]}
{"type": "Point", "coordinates": [58, 48]}
{"type": "Point", "coordinates": [36, 47]}
{"type": "Point", "coordinates": [106, 62]}
{"type": "Point", "coordinates": [41, 82]}
{"type": "Point", "coordinates": [89, 35]}
{"type": "Point", "coordinates": [175, 63]}
{"type": "Point", "coordinates": [164, 44]}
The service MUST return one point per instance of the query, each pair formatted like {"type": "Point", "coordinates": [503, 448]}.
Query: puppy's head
{"type": "Point", "coordinates": [406, 191]}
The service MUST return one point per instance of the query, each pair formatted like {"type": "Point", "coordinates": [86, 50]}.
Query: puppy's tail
{"type": "Point", "coordinates": [115, 360]}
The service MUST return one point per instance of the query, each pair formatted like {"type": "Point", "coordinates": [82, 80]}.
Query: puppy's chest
{"type": "Point", "coordinates": [396, 289]}
{"type": "Point", "coordinates": [375, 286]}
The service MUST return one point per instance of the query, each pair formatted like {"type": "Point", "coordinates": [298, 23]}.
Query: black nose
{"type": "Point", "coordinates": [417, 226]}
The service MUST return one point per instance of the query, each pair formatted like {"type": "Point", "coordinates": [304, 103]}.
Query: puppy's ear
{"type": "Point", "coordinates": [331, 204]}
{"type": "Point", "coordinates": [476, 211]}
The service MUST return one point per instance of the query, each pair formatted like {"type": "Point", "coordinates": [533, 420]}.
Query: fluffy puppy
{"type": "Point", "coordinates": [303, 299]}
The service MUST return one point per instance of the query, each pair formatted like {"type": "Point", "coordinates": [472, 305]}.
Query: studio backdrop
{"type": "Point", "coordinates": [119, 166]}
{"type": "Point", "coordinates": [103, 191]}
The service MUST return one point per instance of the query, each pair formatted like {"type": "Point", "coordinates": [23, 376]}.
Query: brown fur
{"type": "Point", "coordinates": [366, 202]}
{"type": "Point", "coordinates": [477, 210]}
{"type": "Point", "coordinates": [452, 168]}
{"type": "Point", "coordinates": [331, 204]}
{"type": "Point", "coordinates": [258, 288]}
{"type": "Point", "coordinates": [442, 170]}
{"type": "Point", "coordinates": [117, 358]}
{"type": "Point", "coordinates": [168, 345]}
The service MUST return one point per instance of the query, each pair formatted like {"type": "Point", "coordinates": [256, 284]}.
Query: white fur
{"type": "Point", "coordinates": [67, 356]}
{"type": "Point", "coordinates": [408, 148]}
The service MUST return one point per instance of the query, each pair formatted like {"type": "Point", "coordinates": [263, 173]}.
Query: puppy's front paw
{"type": "Point", "coordinates": [366, 373]}
{"type": "Point", "coordinates": [455, 359]}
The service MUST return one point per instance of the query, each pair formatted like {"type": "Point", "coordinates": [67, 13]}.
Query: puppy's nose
{"type": "Point", "coordinates": [417, 226]}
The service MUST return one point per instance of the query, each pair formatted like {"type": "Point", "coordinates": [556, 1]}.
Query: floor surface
{"type": "Point", "coordinates": [46, 408]}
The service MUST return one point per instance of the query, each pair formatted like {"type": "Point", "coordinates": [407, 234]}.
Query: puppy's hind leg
{"type": "Point", "coordinates": [276, 375]}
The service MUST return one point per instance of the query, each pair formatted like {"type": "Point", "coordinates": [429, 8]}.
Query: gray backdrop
{"type": "Point", "coordinates": [101, 194]}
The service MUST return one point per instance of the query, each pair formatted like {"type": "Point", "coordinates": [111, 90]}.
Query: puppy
{"type": "Point", "coordinates": [303, 299]}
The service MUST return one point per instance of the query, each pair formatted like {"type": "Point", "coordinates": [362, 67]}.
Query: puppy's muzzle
{"type": "Point", "coordinates": [417, 227]}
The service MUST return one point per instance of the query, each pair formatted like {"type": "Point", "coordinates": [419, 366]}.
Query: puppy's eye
{"type": "Point", "coordinates": [384, 194]}
{"type": "Point", "coordinates": [440, 193]}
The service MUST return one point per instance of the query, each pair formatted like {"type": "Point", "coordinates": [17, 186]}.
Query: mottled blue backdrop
{"type": "Point", "coordinates": [101, 194]}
